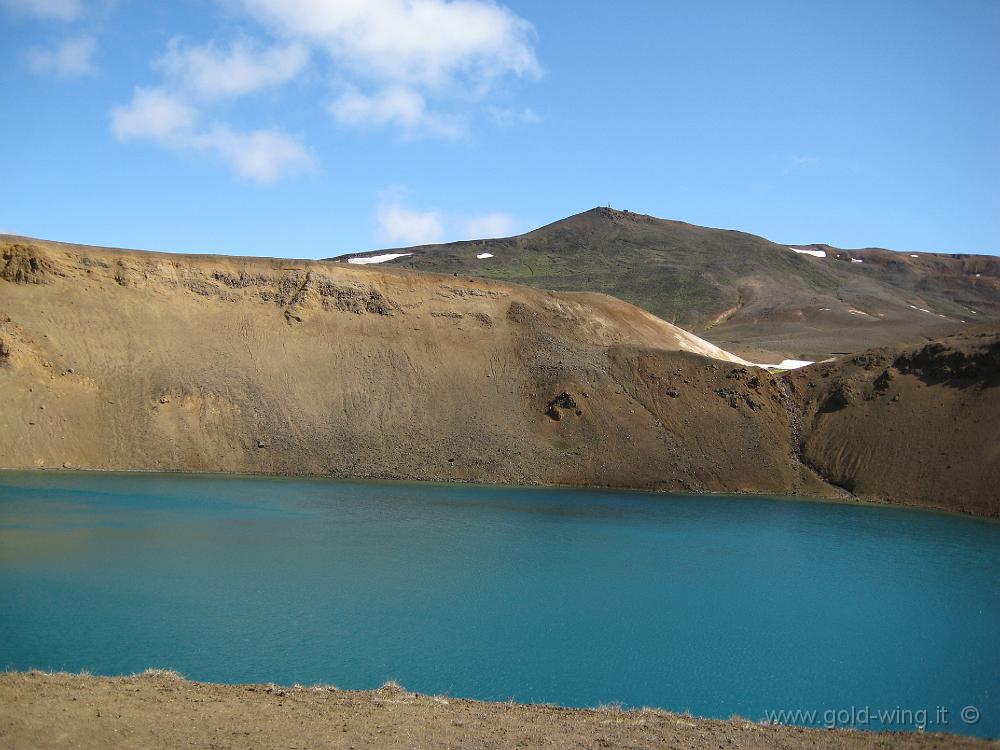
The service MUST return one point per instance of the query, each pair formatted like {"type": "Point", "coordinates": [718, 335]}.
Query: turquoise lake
{"type": "Point", "coordinates": [714, 605]}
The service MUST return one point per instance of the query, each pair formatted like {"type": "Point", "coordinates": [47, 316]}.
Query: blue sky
{"type": "Point", "coordinates": [310, 128]}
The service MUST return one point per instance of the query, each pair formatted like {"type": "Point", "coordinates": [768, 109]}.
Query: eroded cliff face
{"type": "Point", "coordinates": [124, 360]}
{"type": "Point", "coordinates": [920, 423]}
{"type": "Point", "coordinates": [127, 360]}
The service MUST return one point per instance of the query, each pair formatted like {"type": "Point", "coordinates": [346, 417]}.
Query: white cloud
{"type": "Point", "coordinates": [207, 72]}
{"type": "Point", "coordinates": [400, 225]}
{"type": "Point", "coordinates": [396, 64]}
{"type": "Point", "coordinates": [428, 42]}
{"type": "Point", "coordinates": [54, 10]}
{"type": "Point", "coordinates": [403, 53]}
{"type": "Point", "coordinates": [71, 58]}
{"type": "Point", "coordinates": [489, 226]}
{"type": "Point", "coordinates": [262, 156]}
{"type": "Point", "coordinates": [397, 105]}
{"type": "Point", "coordinates": [400, 105]}
{"type": "Point", "coordinates": [168, 116]}
{"type": "Point", "coordinates": [153, 114]}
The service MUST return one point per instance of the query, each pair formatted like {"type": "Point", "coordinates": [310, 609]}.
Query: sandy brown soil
{"type": "Point", "coordinates": [920, 423]}
{"type": "Point", "coordinates": [53, 711]}
{"type": "Point", "coordinates": [126, 360]}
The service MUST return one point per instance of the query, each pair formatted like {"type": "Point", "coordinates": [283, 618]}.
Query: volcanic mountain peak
{"type": "Point", "coordinates": [764, 300]}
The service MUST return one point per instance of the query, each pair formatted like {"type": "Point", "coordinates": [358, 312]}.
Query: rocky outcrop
{"type": "Point", "coordinates": [22, 264]}
{"type": "Point", "coordinates": [958, 360]}
{"type": "Point", "coordinates": [563, 402]}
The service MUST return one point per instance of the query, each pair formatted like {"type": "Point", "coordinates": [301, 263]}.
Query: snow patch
{"type": "Point", "coordinates": [856, 260]}
{"type": "Point", "coordinates": [852, 311]}
{"type": "Point", "coordinates": [377, 258]}
{"type": "Point", "coordinates": [481, 256]}
{"type": "Point", "coordinates": [788, 364]}
{"type": "Point", "coordinates": [929, 312]}
{"type": "Point", "coordinates": [814, 253]}
{"type": "Point", "coordinates": [914, 256]}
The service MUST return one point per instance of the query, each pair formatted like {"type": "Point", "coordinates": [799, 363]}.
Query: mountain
{"type": "Point", "coordinates": [757, 298]}
{"type": "Point", "coordinates": [116, 359]}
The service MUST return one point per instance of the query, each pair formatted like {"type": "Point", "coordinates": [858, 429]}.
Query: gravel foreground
{"type": "Point", "coordinates": [160, 709]}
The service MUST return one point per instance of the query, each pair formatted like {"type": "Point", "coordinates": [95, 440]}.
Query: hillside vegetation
{"type": "Point", "coordinates": [740, 291]}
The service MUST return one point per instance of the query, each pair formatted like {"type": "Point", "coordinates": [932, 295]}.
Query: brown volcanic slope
{"type": "Point", "coordinates": [740, 291]}
{"type": "Point", "coordinates": [921, 422]}
{"type": "Point", "coordinates": [127, 360]}
{"type": "Point", "coordinates": [115, 359]}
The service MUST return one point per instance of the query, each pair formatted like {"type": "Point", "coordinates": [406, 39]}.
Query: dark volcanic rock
{"type": "Point", "coordinates": [842, 396]}
{"type": "Point", "coordinates": [939, 362]}
{"type": "Point", "coordinates": [562, 401]}
{"type": "Point", "coordinates": [377, 303]}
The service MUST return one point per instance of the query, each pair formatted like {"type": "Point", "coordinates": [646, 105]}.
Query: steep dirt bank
{"type": "Point", "coordinates": [127, 360]}
{"type": "Point", "coordinates": [160, 710]}
{"type": "Point", "coordinates": [919, 424]}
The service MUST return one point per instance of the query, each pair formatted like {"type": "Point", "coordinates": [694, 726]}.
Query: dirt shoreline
{"type": "Point", "coordinates": [160, 709]}
{"type": "Point", "coordinates": [845, 499]}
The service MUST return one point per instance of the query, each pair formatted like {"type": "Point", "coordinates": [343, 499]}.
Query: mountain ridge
{"type": "Point", "coordinates": [758, 298]}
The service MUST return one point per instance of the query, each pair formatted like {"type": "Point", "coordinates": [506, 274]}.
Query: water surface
{"type": "Point", "coordinates": [716, 605]}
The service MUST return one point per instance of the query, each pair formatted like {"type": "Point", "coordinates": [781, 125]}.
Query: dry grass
{"type": "Point", "coordinates": [161, 674]}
